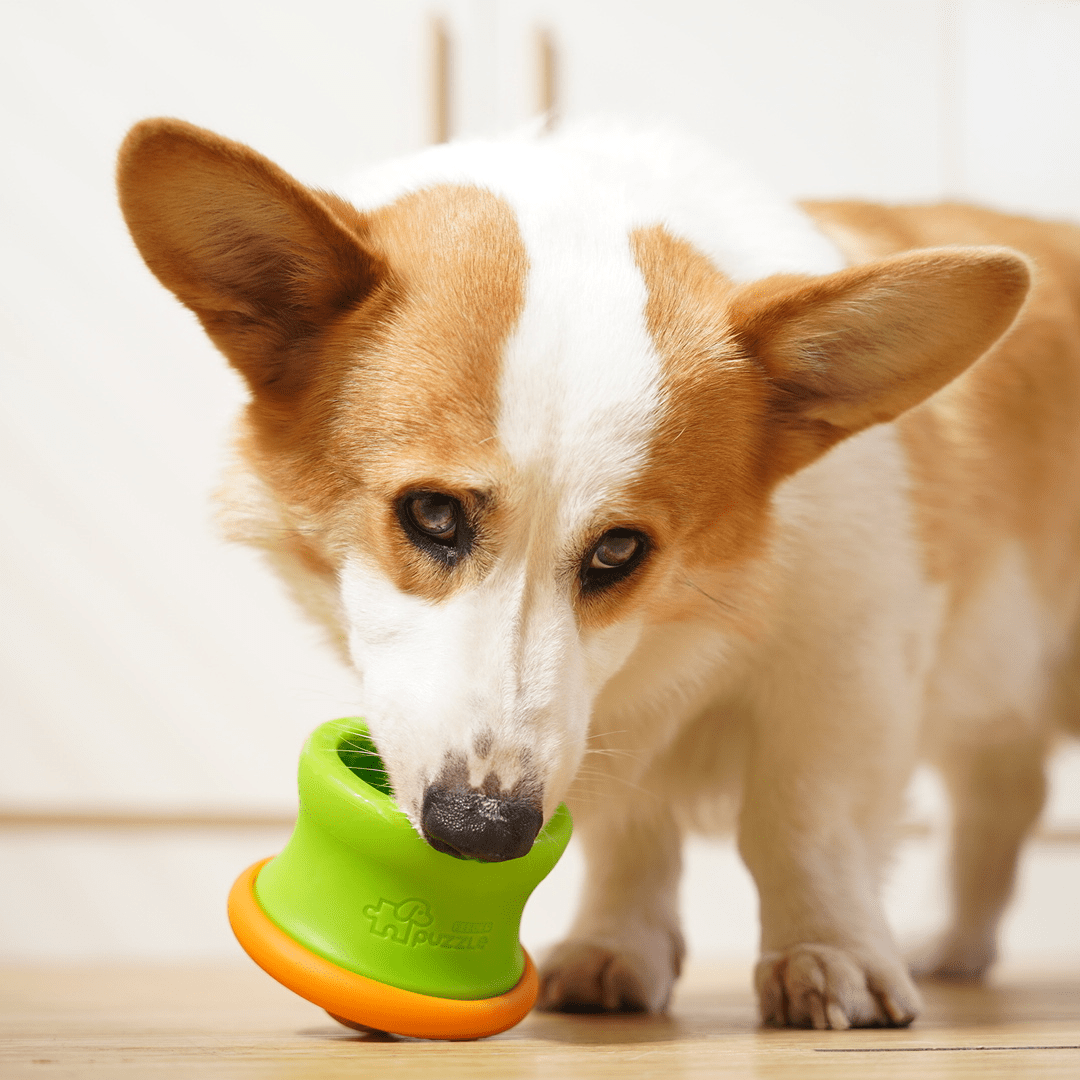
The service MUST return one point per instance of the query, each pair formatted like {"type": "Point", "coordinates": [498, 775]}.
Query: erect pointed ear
{"type": "Point", "coordinates": [861, 346]}
{"type": "Point", "coordinates": [263, 261]}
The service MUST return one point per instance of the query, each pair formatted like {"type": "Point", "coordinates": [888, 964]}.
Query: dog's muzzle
{"type": "Point", "coordinates": [472, 825]}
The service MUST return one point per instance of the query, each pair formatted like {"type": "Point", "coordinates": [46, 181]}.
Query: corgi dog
{"type": "Point", "coordinates": [622, 483]}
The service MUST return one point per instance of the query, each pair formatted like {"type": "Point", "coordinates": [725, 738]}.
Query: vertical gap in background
{"type": "Point", "coordinates": [440, 80]}
{"type": "Point", "coordinates": [547, 78]}
{"type": "Point", "coordinates": [952, 180]}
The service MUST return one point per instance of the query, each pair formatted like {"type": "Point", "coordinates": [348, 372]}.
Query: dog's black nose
{"type": "Point", "coordinates": [471, 825]}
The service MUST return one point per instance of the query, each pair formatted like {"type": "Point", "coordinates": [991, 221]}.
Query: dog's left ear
{"type": "Point", "coordinates": [862, 346]}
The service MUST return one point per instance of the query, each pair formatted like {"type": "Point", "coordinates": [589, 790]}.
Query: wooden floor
{"type": "Point", "coordinates": [224, 1022]}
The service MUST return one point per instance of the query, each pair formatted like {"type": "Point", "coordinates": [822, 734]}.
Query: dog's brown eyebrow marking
{"type": "Point", "coordinates": [715, 405]}
{"type": "Point", "coordinates": [701, 492]}
{"type": "Point", "coordinates": [418, 405]}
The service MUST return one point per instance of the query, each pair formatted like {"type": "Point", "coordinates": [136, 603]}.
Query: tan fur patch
{"type": "Point", "coordinates": [405, 395]}
{"type": "Point", "coordinates": [704, 491]}
{"type": "Point", "coordinates": [995, 456]}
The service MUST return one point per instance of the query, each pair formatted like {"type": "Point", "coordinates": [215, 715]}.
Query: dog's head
{"type": "Point", "coordinates": [498, 428]}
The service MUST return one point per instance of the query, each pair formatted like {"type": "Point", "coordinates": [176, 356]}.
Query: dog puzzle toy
{"type": "Point", "coordinates": [361, 916]}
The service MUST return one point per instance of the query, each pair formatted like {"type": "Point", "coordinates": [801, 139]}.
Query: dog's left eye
{"type": "Point", "coordinates": [435, 523]}
{"type": "Point", "coordinates": [615, 555]}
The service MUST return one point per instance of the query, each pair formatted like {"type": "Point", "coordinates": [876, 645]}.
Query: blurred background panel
{"type": "Point", "coordinates": [155, 683]}
{"type": "Point", "coordinates": [1017, 92]}
{"type": "Point", "coordinates": [145, 662]}
{"type": "Point", "coordinates": [831, 98]}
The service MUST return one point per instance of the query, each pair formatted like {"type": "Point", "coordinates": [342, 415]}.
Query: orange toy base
{"type": "Point", "coordinates": [359, 1000]}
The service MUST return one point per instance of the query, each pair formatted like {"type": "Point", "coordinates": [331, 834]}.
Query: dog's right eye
{"type": "Point", "coordinates": [434, 515]}
{"type": "Point", "coordinates": [435, 523]}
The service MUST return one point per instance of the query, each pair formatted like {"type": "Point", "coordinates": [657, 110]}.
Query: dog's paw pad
{"type": "Point", "coordinates": [579, 977]}
{"type": "Point", "coordinates": [824, 987]}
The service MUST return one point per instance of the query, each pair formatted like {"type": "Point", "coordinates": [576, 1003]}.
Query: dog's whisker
{"type": "Point", "coordinates": [606, 734]}
{"type": "Point", "coordinates": [725, 605]}
{"type": "Point", "coordinates": [604, 778]}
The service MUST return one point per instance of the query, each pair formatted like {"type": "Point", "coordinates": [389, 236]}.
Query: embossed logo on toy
{"type": "Point", "coordinates": [409, 923]}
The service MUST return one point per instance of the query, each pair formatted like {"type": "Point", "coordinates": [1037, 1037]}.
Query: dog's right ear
{"type": "Point", "coordinates": [263, 261]}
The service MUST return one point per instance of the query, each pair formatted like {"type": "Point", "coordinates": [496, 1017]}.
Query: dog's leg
{"type": "Point", "coordinates": [625, 949]}
{"type": "Point", "coordinates": [823, 787]}
{"type": "Point", "coordinates": [997, 794]}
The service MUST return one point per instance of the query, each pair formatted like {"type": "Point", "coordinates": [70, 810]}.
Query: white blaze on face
{"type": "Point", "coordinates": [579, 392]}
{"type": "Point", "coordinates": [580, 380]}
{"type": "Point", "coordinates": [504, 663]}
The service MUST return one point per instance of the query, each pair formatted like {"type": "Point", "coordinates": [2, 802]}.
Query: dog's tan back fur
{"type": "Point", "coordinates": [995, 456]}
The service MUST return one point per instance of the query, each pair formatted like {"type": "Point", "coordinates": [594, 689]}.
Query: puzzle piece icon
{"type": "Point", "coordinates": [394, 921]}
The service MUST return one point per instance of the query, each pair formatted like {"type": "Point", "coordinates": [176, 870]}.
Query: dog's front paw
{"type": "Point", "coordinates": [821, 986]}
{"type": "Point", "coordinates": [583, 977]}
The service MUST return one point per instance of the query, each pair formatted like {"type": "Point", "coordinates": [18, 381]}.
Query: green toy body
{"type": "Point", "coordinates": [356, 885]}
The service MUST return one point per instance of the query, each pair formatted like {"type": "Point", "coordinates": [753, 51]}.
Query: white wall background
{"type": "Point", "coordinates": [147, 667]}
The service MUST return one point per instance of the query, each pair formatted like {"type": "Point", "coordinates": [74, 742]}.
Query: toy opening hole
{"type": "Point", "coordinates": [359, 756]}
